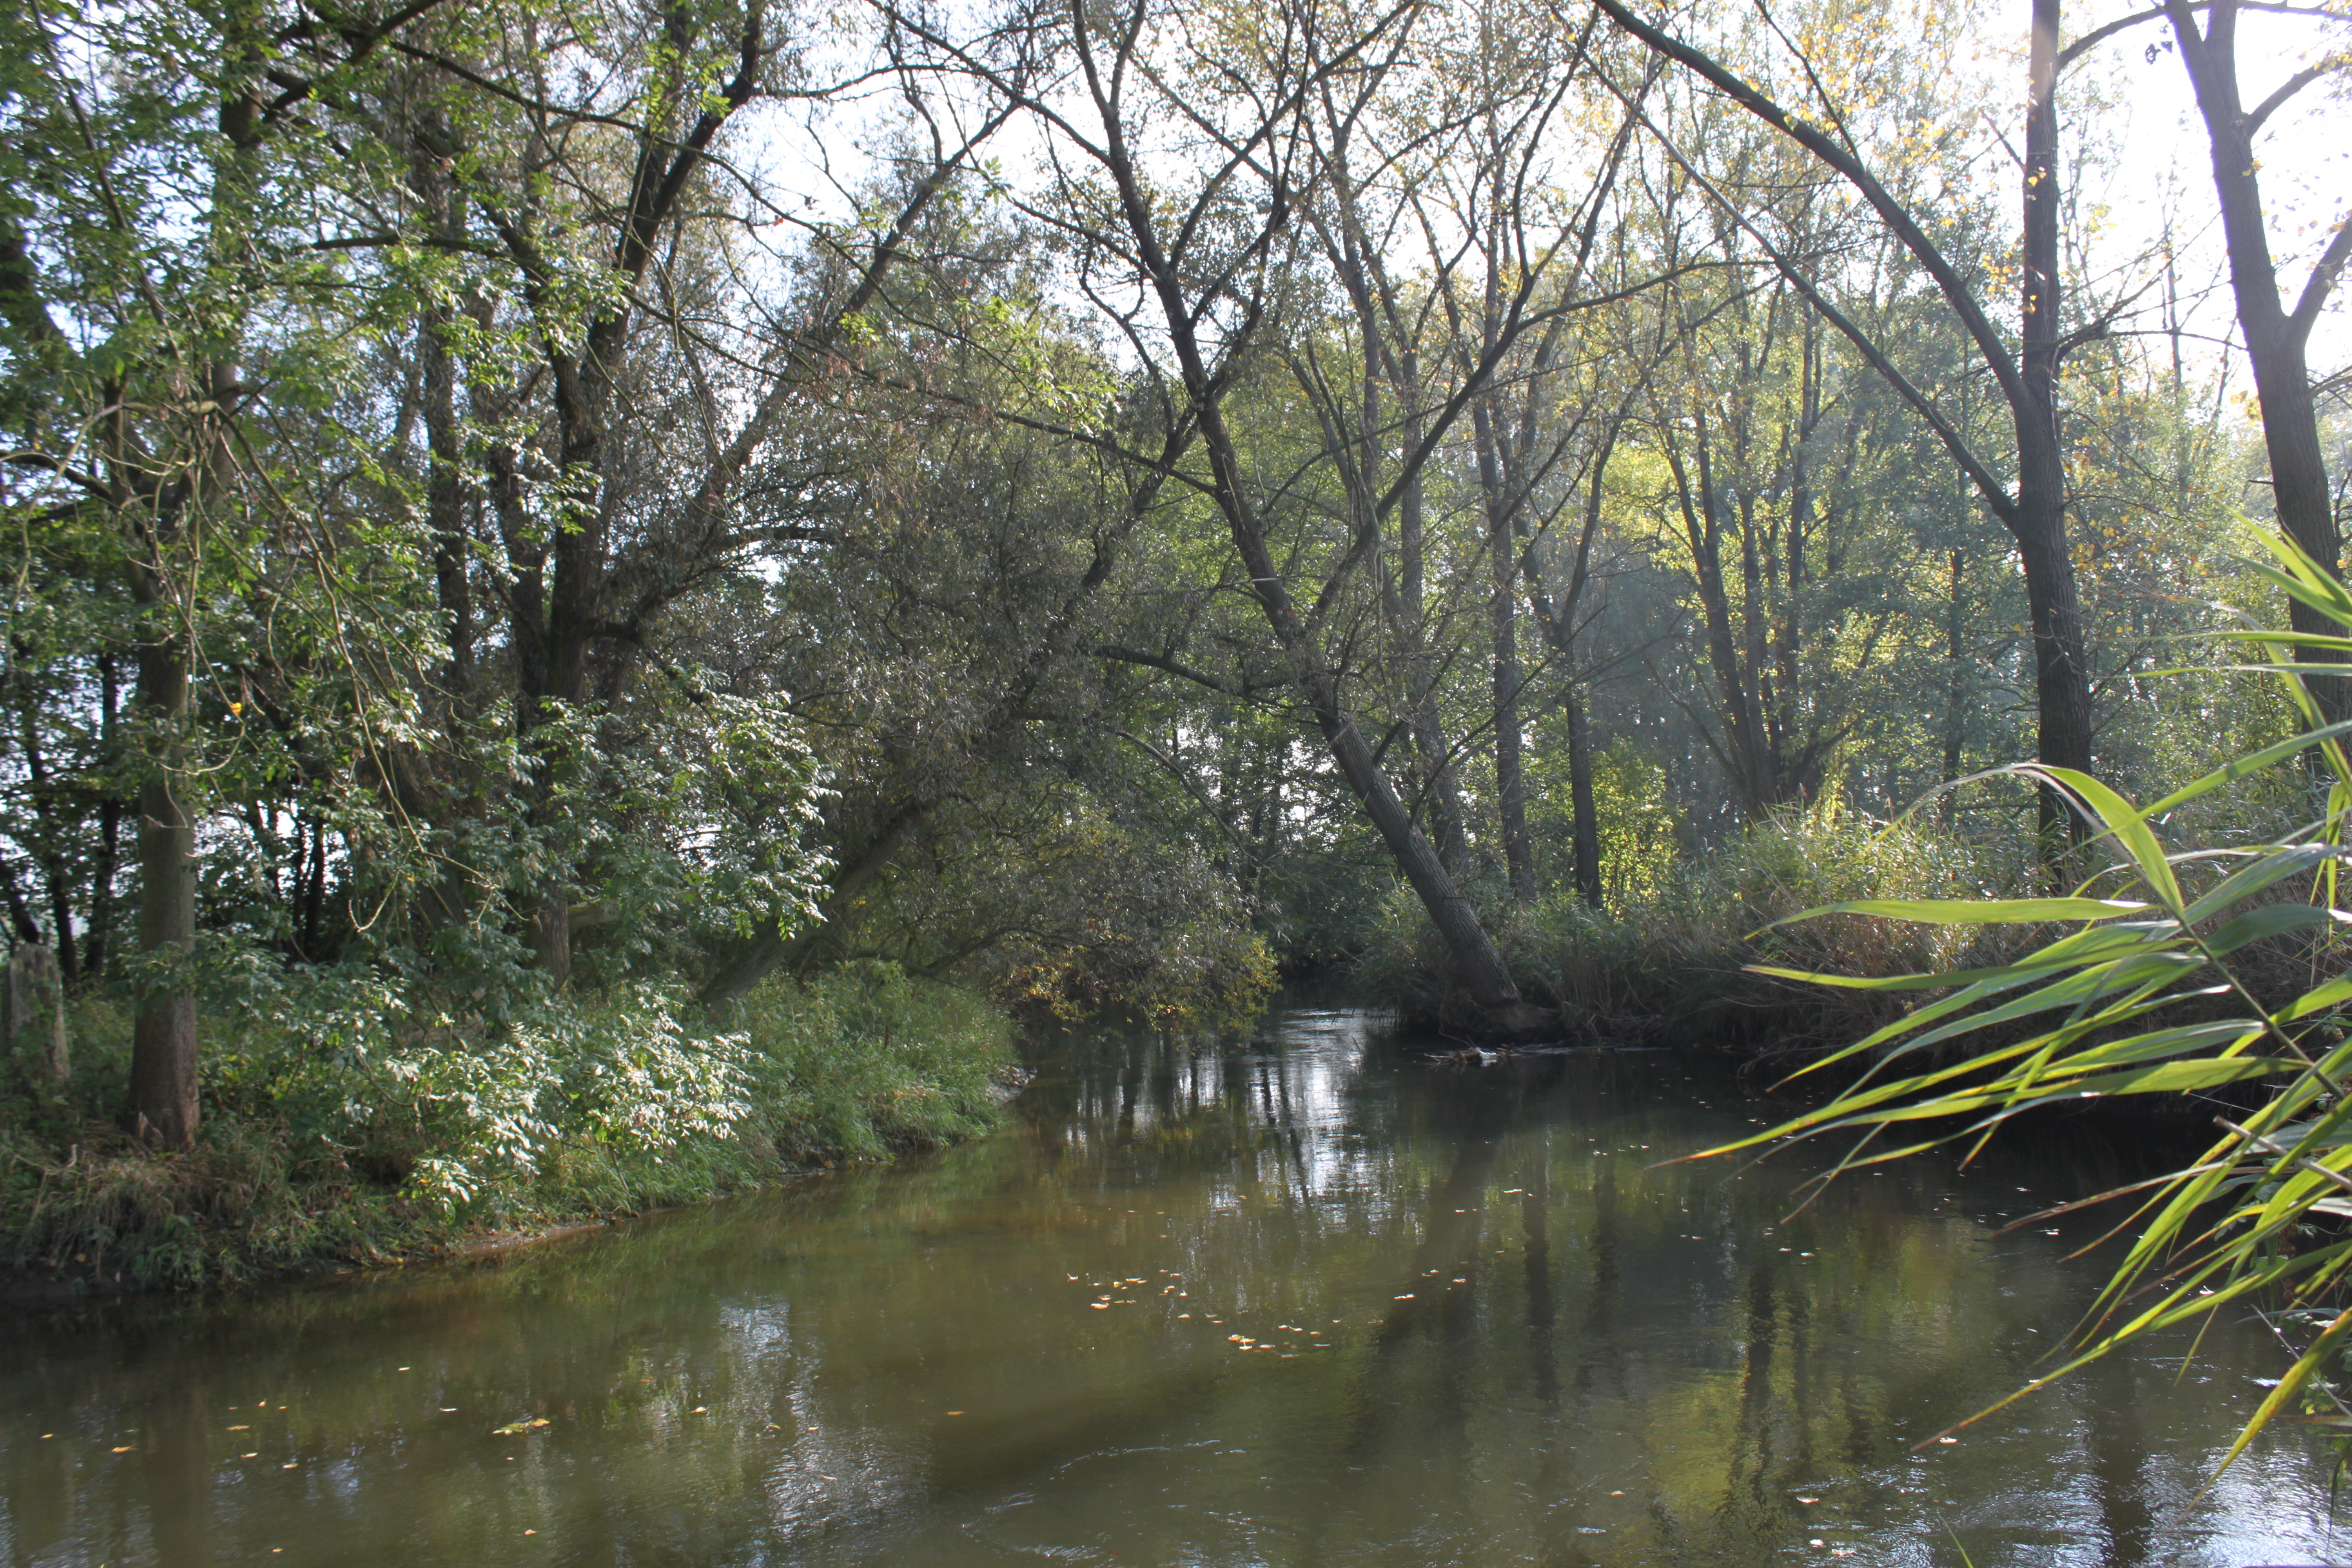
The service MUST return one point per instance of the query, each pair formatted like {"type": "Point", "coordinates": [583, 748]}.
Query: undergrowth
{"type": "Point", "coordinates": [1674, 959]}
{"type": "Point", "coordinates": [1670, 958]}
{"type": "Point", "coordinates": [316, 1146]}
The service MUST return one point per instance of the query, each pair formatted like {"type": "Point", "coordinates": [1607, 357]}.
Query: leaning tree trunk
{"type": "Point", "coordinates": [1478, 962]}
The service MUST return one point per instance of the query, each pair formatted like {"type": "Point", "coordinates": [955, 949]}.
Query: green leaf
{"type": "Point", "coordinates": [1969, 911]}
{"type": "Point", "coordinates": [2269, 866]}
{"type": "Point", "coordinates": [2271, 919]}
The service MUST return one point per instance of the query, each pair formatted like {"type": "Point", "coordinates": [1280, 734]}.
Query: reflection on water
{"type": "Point", "coordinates": [1301, 1302]}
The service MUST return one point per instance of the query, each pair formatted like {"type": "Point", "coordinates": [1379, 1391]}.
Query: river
{"type": "Point", "coordinates": [1305, 1299]}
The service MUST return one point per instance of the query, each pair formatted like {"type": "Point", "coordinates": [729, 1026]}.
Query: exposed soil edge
{"type": "Point", "coordinates": [34, 1287]}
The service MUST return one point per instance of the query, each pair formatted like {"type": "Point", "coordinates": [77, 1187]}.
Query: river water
{"type": "Point", "coordinates": [1305, 1300]}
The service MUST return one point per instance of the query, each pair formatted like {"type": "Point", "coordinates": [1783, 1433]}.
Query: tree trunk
{"type": "Point", "coordinates": [1448, 815]}
{"type": "Point", "coordinates": [444, 505]}
{"type": "Point", "coordinates": [1744, 752]}
{"type": "Point", "coordinates": [2276, 340]}
{"type": "Point", "coordinates": [1503, 601]}
{"type": "Point", "coordinates": [774, 952]}
{"type": "Point", "coordinates": [36, 1018]}
{"type": "Point", "coordinates": [2036, 514]}
{"type": "Point", "coordinates": [1478, 961]}
{"type": "Point", "coordinates": [1586, 821]}
{"type": "Point", "coordinates": [2062, 675]}
{"type": "Point", "coordinates": [102, 875]}
{"type": "Point", "coordinates": [1955, 720]}
{"type": "Point", "coordinates": [161, 1108]}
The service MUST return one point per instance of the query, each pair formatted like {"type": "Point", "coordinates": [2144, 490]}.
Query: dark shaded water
{"type": "Point", "coordinates": [1301, 1302]}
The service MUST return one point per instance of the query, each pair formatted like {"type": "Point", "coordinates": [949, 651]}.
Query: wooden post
{"type": "Point", "coordinates": [35, 1017]}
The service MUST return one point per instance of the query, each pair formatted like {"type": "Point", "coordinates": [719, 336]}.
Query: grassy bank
{"type": "Point", "coordinates": [321, 1146]}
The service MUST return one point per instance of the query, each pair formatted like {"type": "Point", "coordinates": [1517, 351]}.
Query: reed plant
{"type": "Point", "coordinates": [2155, 972]}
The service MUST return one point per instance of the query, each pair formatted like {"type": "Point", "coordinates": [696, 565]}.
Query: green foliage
{"type": "Point", "coordinates": [868, 1060]}
{"type": "Point", "coordinates": [342, 1123]}
{"type": "Point", "coordinates": [1675, 958]}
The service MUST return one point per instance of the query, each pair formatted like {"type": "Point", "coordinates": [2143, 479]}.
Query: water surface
{"type": "Point", "coordinates": [1302, 1299]}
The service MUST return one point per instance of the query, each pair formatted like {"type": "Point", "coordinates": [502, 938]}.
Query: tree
{"type": "Point", "coordinates": [168, 164]}
{"type": "Point", "coordinates": [2276, 335]}
{"type": "Point", "coordinates": [2033, 508]}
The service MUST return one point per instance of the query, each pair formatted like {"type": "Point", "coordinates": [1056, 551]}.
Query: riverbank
{"type": "Point", "coordinates": [1667, 957]}
{"type": "Point", "coordinates": [1674, 955]}
{"type": "Point", "coordinates": [308, 1164]}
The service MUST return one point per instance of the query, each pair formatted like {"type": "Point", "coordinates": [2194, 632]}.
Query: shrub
{"type": "Point", "coordinates": [349, 1117]}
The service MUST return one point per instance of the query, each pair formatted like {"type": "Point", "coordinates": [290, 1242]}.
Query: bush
{"type": "Point", "coordinates": [341, 1122]}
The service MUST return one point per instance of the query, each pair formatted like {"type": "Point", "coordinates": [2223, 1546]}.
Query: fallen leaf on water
{"type": "Point", "coordinates": [515, 1428]}
{"type": "Point", "coordinates": [240, 1428]}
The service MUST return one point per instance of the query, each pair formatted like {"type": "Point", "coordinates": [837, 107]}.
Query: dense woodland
{"type": "Point", "coordinates": [539, 531]}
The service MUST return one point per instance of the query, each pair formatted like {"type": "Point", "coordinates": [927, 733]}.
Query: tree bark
{"type": "Point", "coordinates": [1955, 680]}
{"type": "Point", "coordinates": [2062, 683]}
{"type": "Point", "coordinates": [36, 1018]}
{"type": "Point", "coordinates": [99, 945]}
{"type": "Point", "coordinates": [1479, 962]}
{"type": "Point", "coordinates": [774, 952]}
{"type": "Point", "coordinates": [162, 1106]}
{"type": "Point", "coordinates": [1503, 602]}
